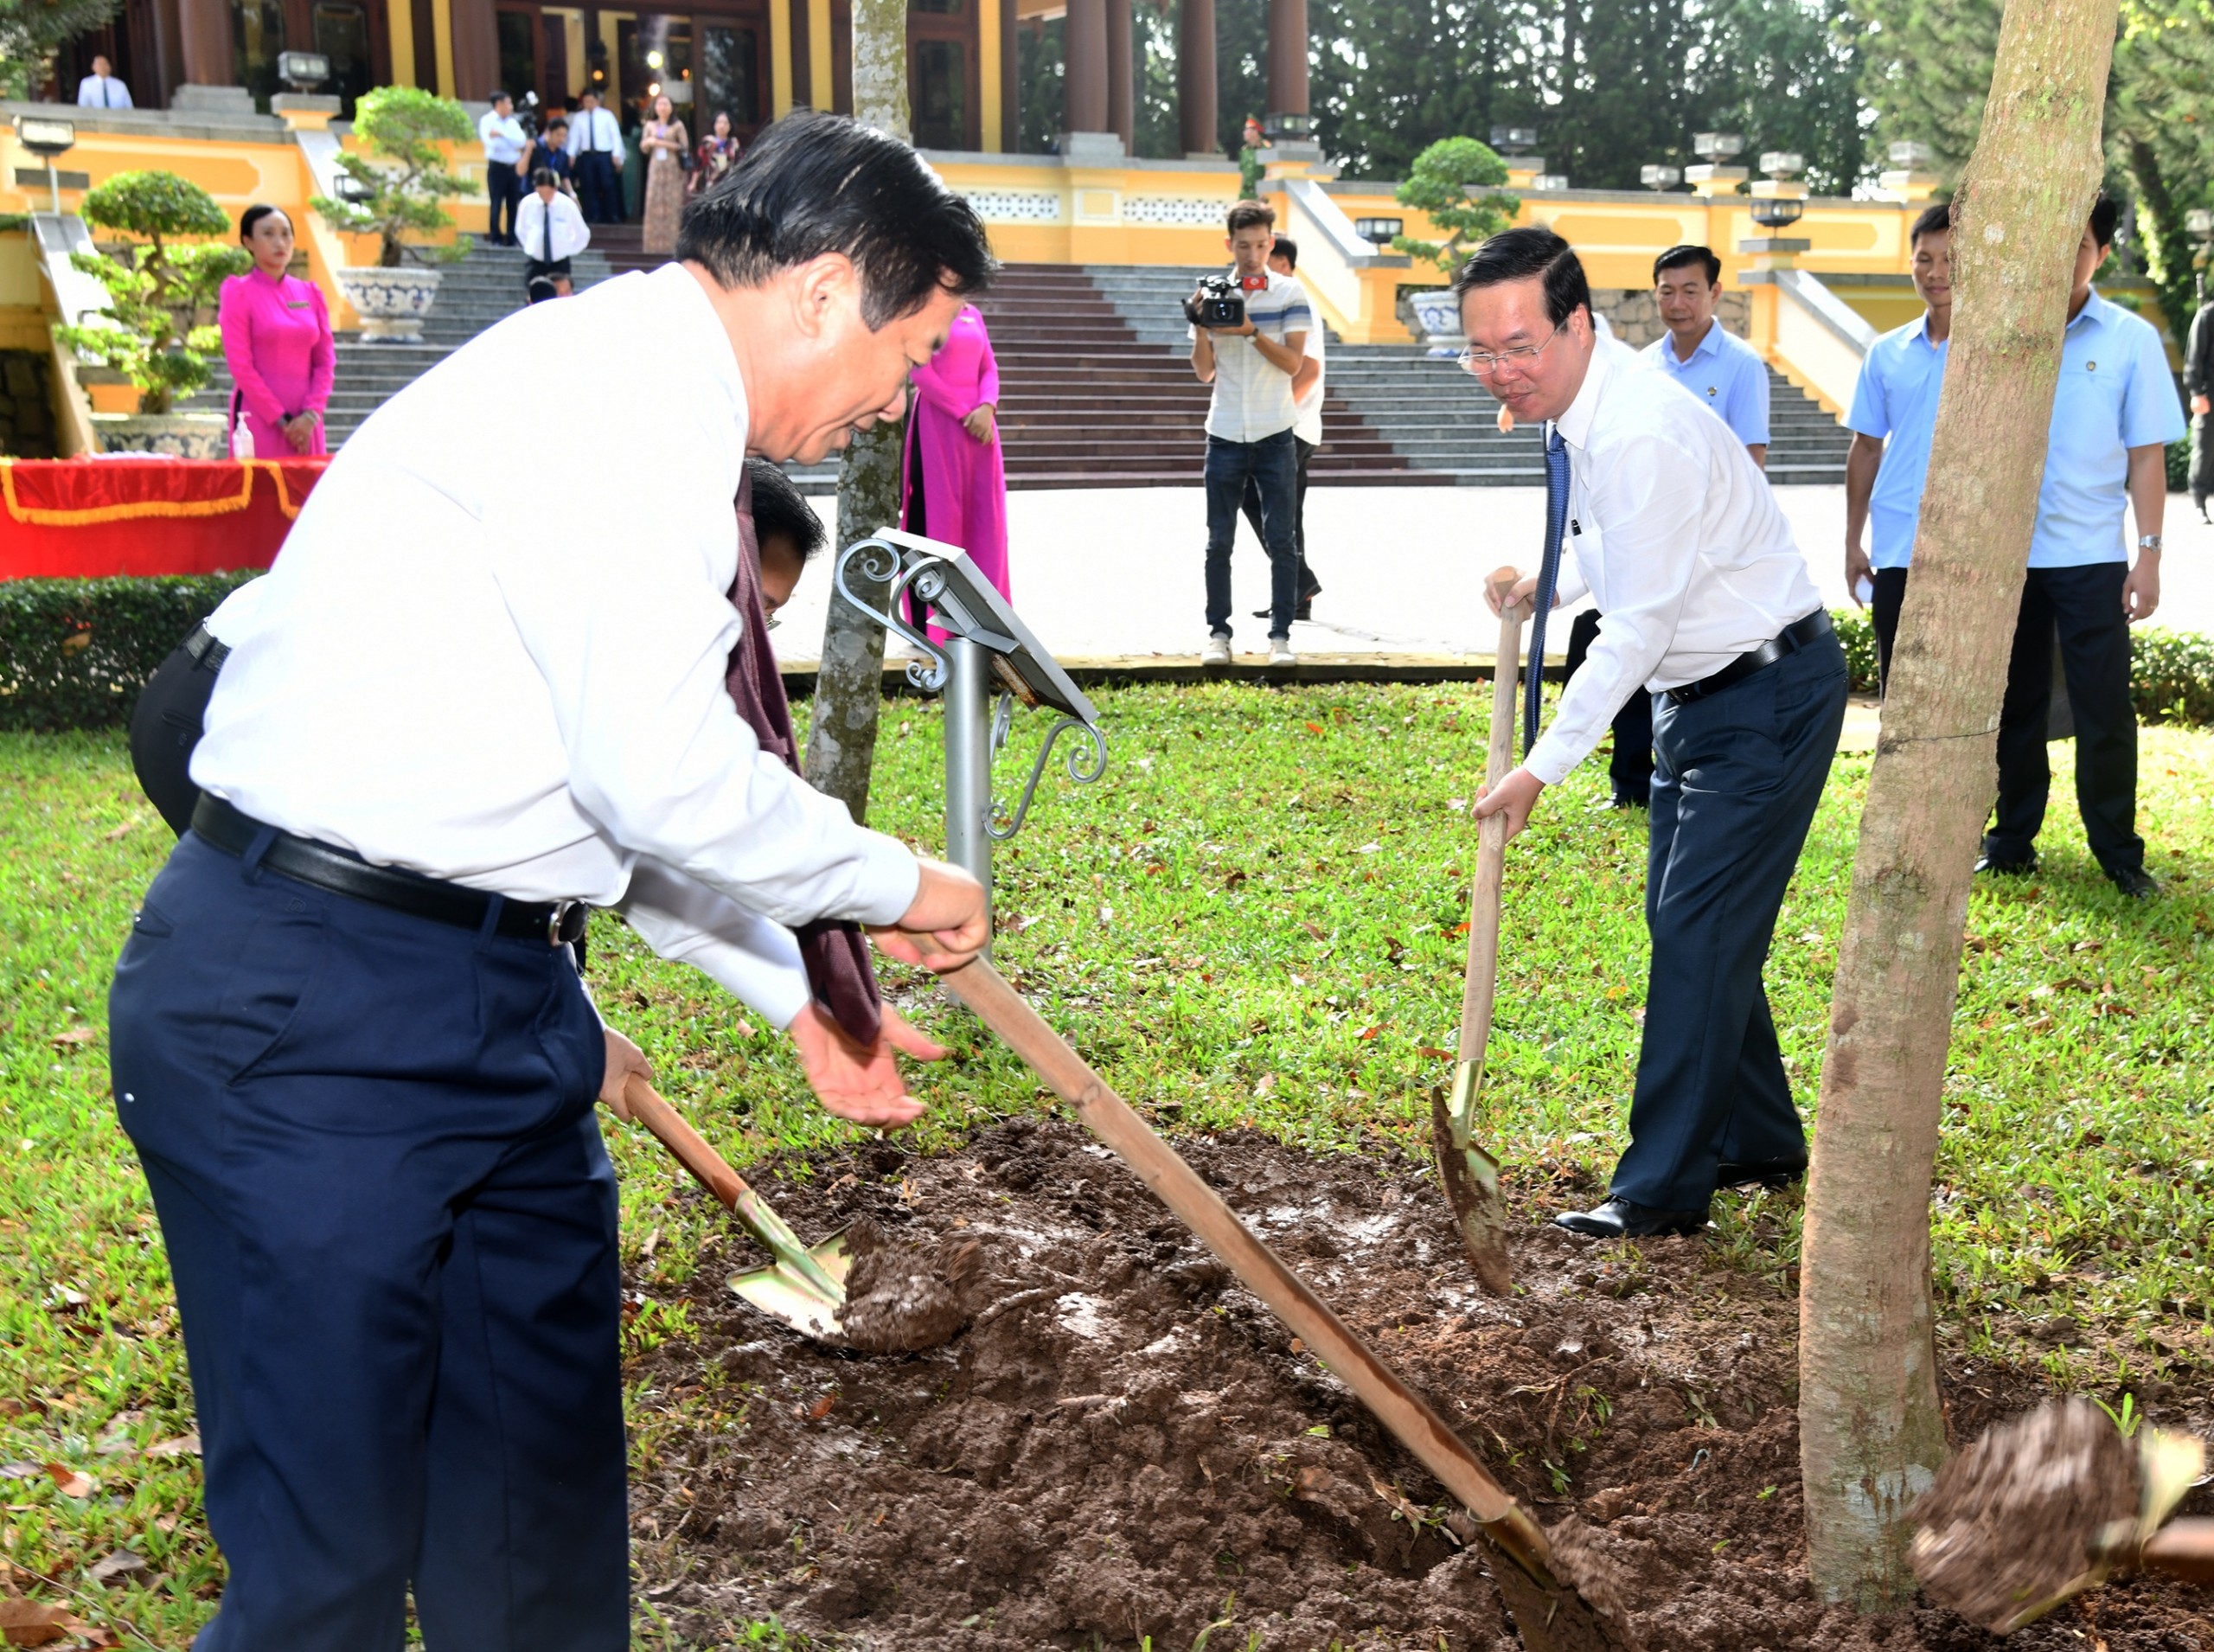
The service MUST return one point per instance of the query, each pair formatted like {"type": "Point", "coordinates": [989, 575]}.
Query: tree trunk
{"type": "Point", "coordinates": [1869, 1427]}
{"type": "Point", "coordinates": [850, 688]}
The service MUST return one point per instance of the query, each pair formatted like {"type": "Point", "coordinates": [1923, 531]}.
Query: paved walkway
{"type": "Point", "coordinates": [1117, 572]}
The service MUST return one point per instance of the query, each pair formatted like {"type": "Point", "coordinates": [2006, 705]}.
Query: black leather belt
{"type": "Point", "coordinates": [1793, 637]}
{"type": "Point", "coordinates": [553, 922]}
{"type": "Point", "coordinates": [207, 653]}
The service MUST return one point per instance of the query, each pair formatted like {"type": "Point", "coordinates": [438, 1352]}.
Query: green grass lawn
{"type": "Point", "coordinates": [1254, 919]}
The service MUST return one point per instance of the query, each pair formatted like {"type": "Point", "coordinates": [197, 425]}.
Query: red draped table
{"type": "Point", "coordinates": [91, 518]}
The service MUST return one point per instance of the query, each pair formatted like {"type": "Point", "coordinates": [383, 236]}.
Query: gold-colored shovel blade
{"type": "Point", "coordinates": [1471, 1179]}
{"type": "Point", "coordinates": [783, 1292]}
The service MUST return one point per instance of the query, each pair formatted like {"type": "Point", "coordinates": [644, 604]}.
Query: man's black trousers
{"type": "Point", "coordinates": [391, 1226]}
{"type": "Point", "coordinates": [503, 189]}
{"type": "Point", "coordinates": [1630, 768]}
{"type": "Point", "coordinates": [599, 192]}
{"type": "Point", "coordinates": [1270, 465]}
{"type": "Point", "coordinates": [2084, 606]}
{"type": "Point", "coordinates": [1738, 776]}
{"type": "Point", "coordinates": [1309, 586]}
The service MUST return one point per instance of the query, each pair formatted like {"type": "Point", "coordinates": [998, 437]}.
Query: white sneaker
{"type": "Point", "coordinates": [1280, 651]}
{"type": "Point", "coordinates": [1216, 652]}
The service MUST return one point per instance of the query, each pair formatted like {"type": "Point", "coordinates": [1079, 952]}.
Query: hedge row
{"type": "Point", "coordinates": [73, 652]}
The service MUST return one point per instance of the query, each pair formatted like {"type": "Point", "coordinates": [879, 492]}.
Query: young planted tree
{"type": "Point", "coordinates": [1870, 1431]}
{"type": "Point", "coordinates": [401, 178]}
{"type": "Point", "coordinates": [159, 327]}
{"type": "Point", "coordinates": [1453, 182]}
{"type": "Point", "coordinates": [850, 686]}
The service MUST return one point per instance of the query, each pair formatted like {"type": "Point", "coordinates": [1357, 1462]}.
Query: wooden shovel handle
{"type": "Point", "coordinates": [674, 1132]}
{"type": "Point", "coordinates": [1418, 1427]}
{"type": "Point", "coordinates": [1478, 986]}
{"type": "Point", "coordinates": [2183, 1549]}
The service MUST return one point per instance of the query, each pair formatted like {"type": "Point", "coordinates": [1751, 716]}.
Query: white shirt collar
{"type": "Point", "coordinates": [1575, 425]}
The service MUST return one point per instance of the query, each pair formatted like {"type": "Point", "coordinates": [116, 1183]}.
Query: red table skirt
{"type": "Point", "coordinates": [90, 518]}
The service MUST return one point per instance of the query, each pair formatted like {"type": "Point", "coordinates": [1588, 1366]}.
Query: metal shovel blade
{"type": "Point", "coordinates": [1470, 1175]}
{"type": "Point", "coordinates": [783, 1292]}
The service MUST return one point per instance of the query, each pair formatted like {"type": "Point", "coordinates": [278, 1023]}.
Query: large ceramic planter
{"type": "Point", "coordinates": [391, 303]}
{"type": "Point", "coordinates": [181, 436]}
{"type": "Point", "coordinates": [1438, 315]}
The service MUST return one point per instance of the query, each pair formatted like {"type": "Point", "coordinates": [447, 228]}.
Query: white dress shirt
{"type": "Point", "coordinates": [597, 129]}
{"type": "Point", "coordinates": [571, 233]}
{"type": "Point", "coordinates": [102, 92]}
{"type": "Point", "coordinates": [1676, 534]}
{"type": "Point", "coordinates": [502, 135]}
{"type": "Point", "coordinates": [515, 681]}
{"type": "Point", "coordinates": [1307, 427]}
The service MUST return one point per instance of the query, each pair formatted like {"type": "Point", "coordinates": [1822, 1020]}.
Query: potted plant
{"type": "Point", "coordinates": [392, 191]}
{"type": "Point", "coordinates": [1444, 185]}
{"type": "Point", "coordinates": [158, 329]}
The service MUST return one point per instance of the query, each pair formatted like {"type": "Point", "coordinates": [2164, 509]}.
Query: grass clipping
{"type": "Point", "coordinates": [2038, 1511]}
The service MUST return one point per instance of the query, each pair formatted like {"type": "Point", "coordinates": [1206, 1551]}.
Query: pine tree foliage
{"type": "Point", "coordinates": [1928, 71]}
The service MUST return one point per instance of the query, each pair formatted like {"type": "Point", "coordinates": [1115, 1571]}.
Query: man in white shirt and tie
{"type": "Point", "coordinates": [1708, 607]}
{"type": "Point", "coordinates": [503, 139]}
{"type": "Point", "coordinates": [100, 89]}
{"type": "Point", "coordinates": [552, 231]}
{"type": "Point", "coordinates": [349, 1041]}
{"type": "Point", "coordinates": [596, 145]}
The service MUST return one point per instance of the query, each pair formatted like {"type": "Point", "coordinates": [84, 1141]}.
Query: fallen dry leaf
{"type": "Point", "coordinates": [74, 1037]}
{"type": "Point", "coordinates": [122, 1564]}
{"type": "Point", "coordinates": [1433, 1053]}
{"type": "Point", "coordinates": [74, 1483]}
{"type": "Point", "coordinates": [25, 1623]}
{"type": "Point", "coordinates": [182, 1446]}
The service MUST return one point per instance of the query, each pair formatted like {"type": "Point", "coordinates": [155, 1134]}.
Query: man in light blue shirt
{"type": "Point", "coordinates": [2114, 411]}
{"type": "Point", "coordinates": [1702, 355]}
{"type": "Point", "coordinates": [1894, 411]}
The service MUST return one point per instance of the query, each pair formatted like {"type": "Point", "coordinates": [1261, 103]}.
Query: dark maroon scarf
{"type": "Point", "coordinates": [836, 957]}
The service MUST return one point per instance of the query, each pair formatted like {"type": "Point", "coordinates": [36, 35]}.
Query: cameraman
{"type": "Point", "coordinates": [1250, 362]}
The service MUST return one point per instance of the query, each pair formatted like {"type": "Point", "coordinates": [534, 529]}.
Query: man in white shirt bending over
{"type": "Point", "coordinates": [100, 89]}
{"type": "Point", "coordinates": [503, 139]}
{"type": "Point", "coordinates": [551, 230]}
{"type": "Point", "coordinates": [1250, 361]}
{"type": "Point", "coordinates": [1708, 608]}
{"type": "Point", "coordinates": [350, 1043]}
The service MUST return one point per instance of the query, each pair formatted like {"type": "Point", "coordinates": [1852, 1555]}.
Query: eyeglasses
{"type": "Point", "coordinates": [1481, 362]}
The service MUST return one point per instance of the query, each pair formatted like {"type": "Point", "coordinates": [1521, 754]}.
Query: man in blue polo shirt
{"type": "Point", "coordinates": [1726, 373]}
{"type": "Point", "coordinates": [1894, 411]}
{"type": "Point", "coordinates": [2114, 413]}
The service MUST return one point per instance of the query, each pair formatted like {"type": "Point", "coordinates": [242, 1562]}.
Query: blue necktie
{"type": "Point", "coordinates": [1548, 582]}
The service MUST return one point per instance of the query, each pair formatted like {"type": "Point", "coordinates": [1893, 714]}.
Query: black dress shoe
{"type": "Point", "coordinates": [1631, 800]}
{"type": "Point", "coordinates": [1769, 1173]}
{"type": "Point", "coordinates": [2000, 866]}
{"type": "Point", "coordinates": [2137, 883]}
{"type": "Point", "coordinates": [1621, 1218]}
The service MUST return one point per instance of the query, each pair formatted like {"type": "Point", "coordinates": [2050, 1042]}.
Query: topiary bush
{"type": "Point", "coordinates": [2171, 675]}
{"type": "Point", "coordinates": [159, 285]}
{"type": "Point", "coordinates": [1444, 183]}
{"type": "Point", "coordinates": [73, 653]}
{"type": "Point", "coordinates": [403, 174]}
{"type": "Point", "coordinates": [1858, 632]}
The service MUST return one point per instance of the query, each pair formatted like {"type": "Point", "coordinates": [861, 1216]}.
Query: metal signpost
{"type": "Point", "coordinates": [47, 139]}
{"type": "Point", "coordinates": [988, 648]}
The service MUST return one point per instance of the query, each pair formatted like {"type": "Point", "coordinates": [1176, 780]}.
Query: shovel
{"type": "Point", "coordinates": [1547, 1607]}
{"type": "Point", "coordinates": [1470, 1174]}
{"type": "Point", "coordinates": [805, 1287]}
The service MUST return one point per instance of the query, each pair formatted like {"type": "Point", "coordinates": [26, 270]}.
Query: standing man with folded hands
{"type": "Point", "coordinates": [1708, 606]}
{"type": "Point", "coordinates": [351, 1044]}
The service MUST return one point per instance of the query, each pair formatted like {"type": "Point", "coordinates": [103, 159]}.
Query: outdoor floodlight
{"type": "Point", "coordinates": [1551, 181]}
{"type": "Point", "coordinates": [1381, 232]}
{"type": "Point", "coordinates": [1510, 140]}
{"type": "Point", "coordinates": [1716, 146]}
{"type": "Point", "coordinates": [1660, 178]}
{"type": "Point", "coordinates": [1909, 155]}
{"type": "Point", "coordinates": [48, 138]}
{"type": "Point", "coordinates": [1778, 212]}
{"type": "Point", "coordinates": [303, 70]}
{"type": "Point", "coordinates": [348, 188]}
{"type": "Point", "coordinates": [1781, 164]}
{"type": "Point", "coordinates": [2200, 221]}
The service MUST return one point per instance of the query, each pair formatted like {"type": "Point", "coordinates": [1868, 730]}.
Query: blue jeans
{"type": "Point", "coordinates": [391, 1222]}
{"type": "Point", "coordinates": [1272, 465]}
{"type": "Point", "coordinates": [1736, 778]}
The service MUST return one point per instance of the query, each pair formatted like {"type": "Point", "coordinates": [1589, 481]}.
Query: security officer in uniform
{"type": "Point", "coordinates": [349, 1044]}
{"type": "Point", "coordinates": [1708, 607]}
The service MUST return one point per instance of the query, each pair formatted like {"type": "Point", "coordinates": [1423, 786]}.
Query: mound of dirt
{"type": "Point", "coordinates": [1123, 1444]}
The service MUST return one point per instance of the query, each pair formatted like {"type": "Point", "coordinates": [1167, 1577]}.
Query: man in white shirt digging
{"type": "Point", "coordinates": [1708, 608]}
{"type": "Point", "coordinates": [349, 1042]}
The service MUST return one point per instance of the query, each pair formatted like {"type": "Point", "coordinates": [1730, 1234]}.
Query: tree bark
{"type": "Point", "coordinates": [1870, 1431]}
{"type": "Point", "coordinates": [850, 686]}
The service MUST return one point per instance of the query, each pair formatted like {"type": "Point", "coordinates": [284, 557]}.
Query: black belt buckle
{"type": "Point", "coordinates": [564, 922]}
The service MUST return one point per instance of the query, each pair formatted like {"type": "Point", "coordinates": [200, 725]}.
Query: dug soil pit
{"type": "Point", "coordinates": [1123, 1446]}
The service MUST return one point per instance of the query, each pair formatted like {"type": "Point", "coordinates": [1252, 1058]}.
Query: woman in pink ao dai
{"type": "Point", "coordinates": [277, 342]}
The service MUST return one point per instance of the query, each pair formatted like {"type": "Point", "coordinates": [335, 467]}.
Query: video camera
{"type": "Point", "coordinates": [1221, 300]}
{"type": "Point", "coordinates": [527, 113]}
